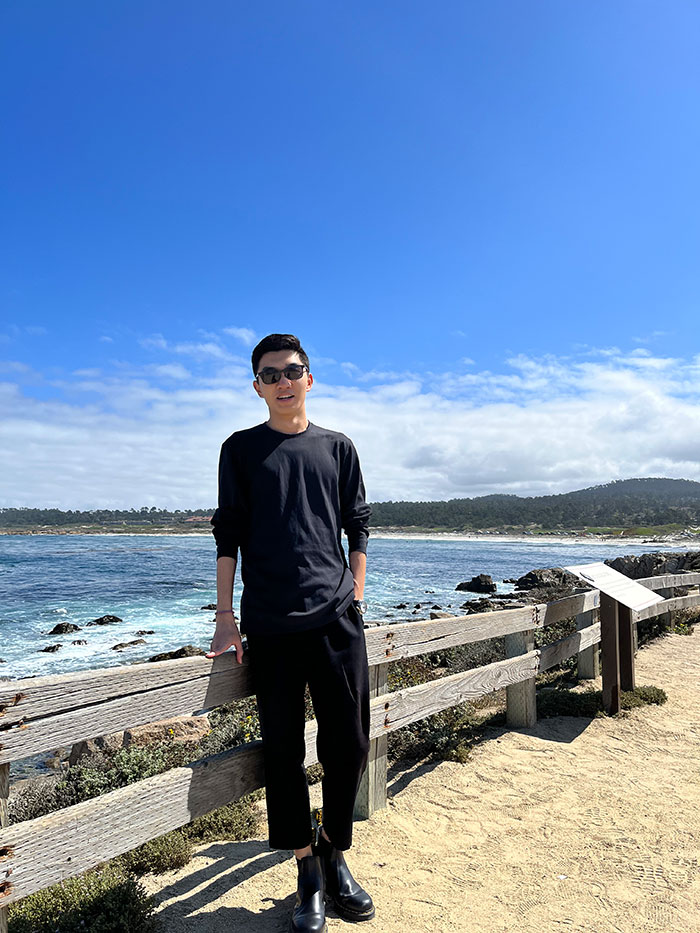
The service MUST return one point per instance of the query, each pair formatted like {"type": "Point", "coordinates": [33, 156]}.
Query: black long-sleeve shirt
{"type": "Point", "coordinates": [283, 500]}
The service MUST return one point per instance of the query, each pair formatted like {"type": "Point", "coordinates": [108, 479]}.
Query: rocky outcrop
{"type": "Point", "coordinates": [187, 651]}
{"type": "Point", "coordinates": [105, 620]}
{"type": "Point", "coordinates": [104, 743]}
{"type": "Point", "coordinates": [79, 641]}
{"type": "Point", "coordinates": [655, 563]}
{"type": "Point", "coordinates": [50, 649]}
{"type": "Point", "coordinates": [547, 577]}
{"type": "Point", "coordinates": [482, 583]}
{"type": "Point", "coordinates": [436, 614]}
{"type": "Point", "coordinates": [128, 644]}
{"type": "Point", "coordinates": [64, 628]}
{"type": "Point", "coordinates": [179, 729]}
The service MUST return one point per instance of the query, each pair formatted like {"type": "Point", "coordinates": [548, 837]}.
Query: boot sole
{"type": "Point", "coordinates": [349, 915]}
{"type": "Point", "coordinates": [323, 930]}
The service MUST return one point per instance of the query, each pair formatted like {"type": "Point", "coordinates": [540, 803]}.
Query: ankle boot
{"type": "Point", "coordinates": [351, 902]}
{"type": "Point", "coordinates": [309, 914]}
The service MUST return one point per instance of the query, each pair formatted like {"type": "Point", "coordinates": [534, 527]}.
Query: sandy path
{"type": "Point", "coordinates": [578, 826]}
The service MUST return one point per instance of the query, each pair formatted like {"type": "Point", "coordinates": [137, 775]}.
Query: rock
{"type": "Point", "coordinates": [473, 606]}
{"type": "Point", "coordinates": [417, 606]}
{"type": "Point", "coordinates": [146, 632]}
{"type": "Point", "coordinates": [128, 644]}
{"type": "Point", "coordinates": [3, 661]}
{"type": "Point", "coordinates": [79, 641]}
{"type": "Point", "coordinates": [655, 563]}
{"type": "Point", "coordinates": [187, 651]}
{"type": "Point", "coordinates": [105, 620]}
{"type": "Point", "coordinates": [483, 583]}
{"type": "Point", "coordinates": [401, 606]}
{"type": "Point", "coordinates": [178, 729]}
{"type": "Point", "coordinates": [547, 577]}
{"type": "Point", "coordinates": [436, 607]}
{"type": "Point", "coordinates": [51, 648]}
{"type": "Point", "coordinates": [442, 615]}
{"type": "Point", "coordinates": [209, 607]}
{"type": "Point", "coordinates": [64, 628]}
{"type": "Point", "coordinates": [104, 743]}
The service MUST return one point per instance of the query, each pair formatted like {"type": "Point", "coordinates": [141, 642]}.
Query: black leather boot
{"type": "Point", "coordinates": [309, 914]}
{"type": "Point", "coordinates": [351, 902]}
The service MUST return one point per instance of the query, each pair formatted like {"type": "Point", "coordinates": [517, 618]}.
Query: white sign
{"type": "Point", "coordinates": [615, 584]}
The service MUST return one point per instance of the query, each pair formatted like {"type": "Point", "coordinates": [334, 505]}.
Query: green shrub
{"type": "Point", "coordinates": [106, 900]}
{"type": "Point", "coordinates": [588, 703]}
{"type": "Point", "coordinates": [165, 853]}
{"type": "Point", "coordinates": [446, 736]}
{"type": "Point", "coordinates": [235, 821]}
{"type": "Point", "coordinates": [642, 696]}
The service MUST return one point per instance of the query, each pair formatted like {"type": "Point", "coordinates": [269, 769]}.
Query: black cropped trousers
{"type": "Point", "coordinates": [332, 660]}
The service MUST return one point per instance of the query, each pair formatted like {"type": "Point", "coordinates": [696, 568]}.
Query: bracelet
{"type": "Point", "coordinates": [222, 612]}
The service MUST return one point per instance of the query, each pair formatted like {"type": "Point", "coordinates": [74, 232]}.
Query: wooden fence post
{"type": "Point", "coordinates": [521, 702]}
{"type": "Point", "coordinates": [626, 641]}
{"type": "Point", "coordinates": [668, 593]}
{"type": "Point", "coordinates": [371, 794]}
{"type": "Point", "coordinates": [4, 821]}
{"type": "Point", "coordinates": [610, 651]}
{"type": "Point", "coordinates": [588, 665]}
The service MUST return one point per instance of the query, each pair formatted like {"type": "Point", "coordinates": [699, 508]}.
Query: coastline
{"type": "Point", "coordinates": [687, 541]}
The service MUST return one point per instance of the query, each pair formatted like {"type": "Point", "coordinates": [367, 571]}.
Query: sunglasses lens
{"type": "Point", "coordinates": [270, 376]}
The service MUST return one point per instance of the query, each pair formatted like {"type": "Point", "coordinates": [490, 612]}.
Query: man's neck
{"type": "Point", "coordinates": [296, 424]}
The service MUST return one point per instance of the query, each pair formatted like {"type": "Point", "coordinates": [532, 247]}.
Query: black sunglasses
{"type": "Point", "coordinates": [269, 375]}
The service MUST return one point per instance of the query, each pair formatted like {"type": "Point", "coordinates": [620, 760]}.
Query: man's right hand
{"type": "Point", "coordinates": [226, 635]}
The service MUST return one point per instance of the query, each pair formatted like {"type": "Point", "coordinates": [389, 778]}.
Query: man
{"type": "Point", "coordinates": [286, 489]}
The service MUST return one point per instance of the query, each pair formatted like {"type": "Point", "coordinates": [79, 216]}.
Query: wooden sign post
{"type": "Point", "coordinates": [619, 597]}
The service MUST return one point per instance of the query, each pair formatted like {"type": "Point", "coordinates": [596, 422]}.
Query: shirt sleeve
{"type": "Point", "coordinates": [354, 511]}
{"type": "Point", "coordinates": [228, 520]}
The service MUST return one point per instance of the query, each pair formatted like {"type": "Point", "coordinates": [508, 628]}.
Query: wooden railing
{"type": "Point", "coordinates": [42, 713]}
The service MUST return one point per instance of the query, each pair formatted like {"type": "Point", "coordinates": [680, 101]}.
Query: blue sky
{"type": "Point", "coordinates": [480, 218]}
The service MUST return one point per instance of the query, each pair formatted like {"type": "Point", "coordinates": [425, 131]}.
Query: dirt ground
{"type": "Point", "coordinates": [576, 825]}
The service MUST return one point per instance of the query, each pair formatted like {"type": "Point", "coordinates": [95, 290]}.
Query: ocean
{"type": "Point", "coordinates": [159, 584]}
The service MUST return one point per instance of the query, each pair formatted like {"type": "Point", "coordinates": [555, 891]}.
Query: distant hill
{"type": "Point", "coordinates": [643, 504]}
{"type": "Point", "coordinates": [624, 503]}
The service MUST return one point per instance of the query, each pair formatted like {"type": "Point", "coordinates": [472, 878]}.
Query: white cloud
{"type": "Point", "coordinates": [105, 339]}
{"type": "Point", "coordinates": [152, 434]}
{"type": "Point", "coordinates": [244, 334]}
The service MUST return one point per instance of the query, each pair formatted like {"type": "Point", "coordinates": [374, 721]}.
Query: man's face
{"type": "Point", "coordinates": [288, 395]}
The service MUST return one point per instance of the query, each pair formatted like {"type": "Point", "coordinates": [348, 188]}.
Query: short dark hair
{"type": "Point", "coordinates": [274, 342]}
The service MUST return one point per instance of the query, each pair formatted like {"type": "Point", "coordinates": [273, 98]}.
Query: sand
{"type": "Point", "coordinates": [576, 825]}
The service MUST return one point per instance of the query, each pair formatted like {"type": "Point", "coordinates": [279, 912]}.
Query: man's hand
{"type": "Point", "coordinates": [226, 635]}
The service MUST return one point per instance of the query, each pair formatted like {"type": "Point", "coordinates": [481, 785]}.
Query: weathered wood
{"type": "Point", "coordinates": [33, 697]}
{"type": "Point", "coordinates": [669, 605]}
{"type": "Point", "coordinates": [610, 650]}
{"type": "Point", "coordinates": [564, 648]}
{"type": "Point", "coordinates": [371, 795]}
{"type": "Point", "coordinates": [402, 707]}
{"type": "Point", "coordinates": [521, 703]}
{"type": "Point", "coordinates": [62, 844]}
{"type": "Point", "coordinates": [27, 738]}
{"type": "Point", "coordinates": [570, 606]}
{"type": "Point", "coordinates": [670, 579]}
{"type": "Point", "coordinates": [407, 639]}
{"type": "Point", "coordinates": [4, 821]}
{"type": "Point", "coordinates": [626, 640]}
{"type": "Point", "coordinates": [588, 665]}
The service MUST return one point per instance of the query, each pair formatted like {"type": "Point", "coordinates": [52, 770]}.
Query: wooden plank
{"type": "Point", "coordinates": [610, 651]}
{"type": "Point", "coordinates": [28, 738]}
{"type": "Point", "coordinates": [570, 606]}
{"type": "Point", "coordinates": [60, 845]}
{"type": "Point", "coordinates": [371, 795]}
{"type": "Point", "coordinates": [402, 707]}
{"type": "Point", "coordinates": [560, 650]}
{"type": "Point", "coordinates": [588, 666]}
{"type": "Point", "coordinates": [4, 821]}
{"type": "Point", "coordinates": [407, 639]}
{"type": "Point", "coordinates": [34, 697]}
{"type": "Point", "coordinates": [521, 703]}
{"type": "Point", "coordinates": [670, 579]}
{"type": "Point", "coordinates": [669, 605]}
